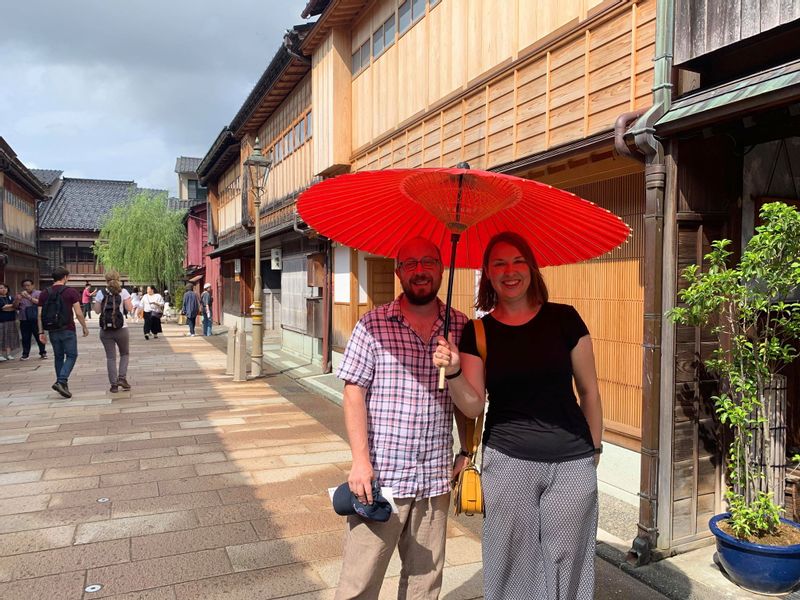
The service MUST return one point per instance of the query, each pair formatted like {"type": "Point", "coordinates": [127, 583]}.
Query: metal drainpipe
{"type": "Point", "coordinates": [651, 152]}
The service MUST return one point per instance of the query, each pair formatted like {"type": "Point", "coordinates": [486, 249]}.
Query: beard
{"type": "Point", "coordinates": [415, 297]}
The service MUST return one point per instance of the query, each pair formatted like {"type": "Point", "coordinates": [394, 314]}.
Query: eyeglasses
{"type": "Point", "coordinates": [428, 263]}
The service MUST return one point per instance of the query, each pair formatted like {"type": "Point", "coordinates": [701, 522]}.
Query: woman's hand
{"type": "Point", "coordinates": [446, 355]}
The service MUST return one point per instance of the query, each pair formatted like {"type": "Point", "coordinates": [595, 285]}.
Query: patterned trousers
{"type": "Point", "coordinates": [540, 528]}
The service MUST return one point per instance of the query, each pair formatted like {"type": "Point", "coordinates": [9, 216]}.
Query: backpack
{"type": "Point", "coordinates": [110, 314]}
{"type": "Point", "coordinates": [55, 315]}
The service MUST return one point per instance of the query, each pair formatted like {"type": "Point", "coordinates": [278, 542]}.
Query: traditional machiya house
{"type": "Point", "coordinates": [720, 140]}
{"type": "Point", "coordinates": [521, 87]}
{"type": "Point", "coordinates": [200, 267]}
{"type": "Point", "coordinates": [70, 223]}
{"type": "Point", "coordinates": [292, 264]}
{"type": "Point", "coordinates": [20, 193]}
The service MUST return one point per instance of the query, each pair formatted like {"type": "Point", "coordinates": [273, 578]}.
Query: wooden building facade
{"type": "Point", "coordinates": [20, 194]}
{"type": "Point", "coordinates": [516, 87]}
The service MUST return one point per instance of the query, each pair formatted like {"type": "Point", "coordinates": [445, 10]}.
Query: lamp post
{"type": "Point", "coordinates": [258, 167]}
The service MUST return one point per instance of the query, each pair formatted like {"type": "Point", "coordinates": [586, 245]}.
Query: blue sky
{"type": "Point", "coordinates": [107, 89]}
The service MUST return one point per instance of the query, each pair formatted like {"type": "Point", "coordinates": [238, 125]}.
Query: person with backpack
{"type": "Point", "coordinates": [57, 305]}
{"type": "Point", "coordinates": [190, 308]}
{"type": "Point", "coordinates": [153, 309]}
{"type": "Point", "coordinates": [9, 335]}
{"type": "Point", "coordinates": [111, 305]}
{"type": "Point", "coordinates": [28, 303]}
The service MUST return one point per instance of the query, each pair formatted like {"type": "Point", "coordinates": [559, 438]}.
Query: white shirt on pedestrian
{"type": "Point", "coordinates": [148, 300]}
{"type": "Point", "coordinates": [124, 294]}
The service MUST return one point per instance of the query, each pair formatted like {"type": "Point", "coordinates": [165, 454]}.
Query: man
{"type": "Point", "coordinates": [64, 340]}
{"type": "Point", "coordinates": [28, 302]}
{"type": "Point", "coordinates": [400, 431]}
{"type": "Point", "coordinates": [206, 302]}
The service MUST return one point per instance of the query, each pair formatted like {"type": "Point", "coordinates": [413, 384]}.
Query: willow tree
{"type": "Point", "coordinates": [144, 239]}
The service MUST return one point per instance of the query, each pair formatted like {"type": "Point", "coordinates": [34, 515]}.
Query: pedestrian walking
{"type": "Point", "coordinates": [400, 427]}
{"type": "Point", "coordinates": [152, 309]}
{"type": "Point", "coordinates": [114, 335]}
{"type": "Point", "coordinates": [9, 333]}
{"type": "Point", "coordinates": [541, 447]}
{"type": "Point", "coordinates": [28, 315]}
{"type": "Point", "coordinates": [190, 308]}
{"type": "Point", "coordinates": [86, 300]}
{"type": "Point", "coordinates": [136, 304]}
{"type": "Point", "coordinates": [168, 306]}
{"type": "Point", "coordinates": [206, 302]}
{"type": "Point", "coordinates": [57, 306]}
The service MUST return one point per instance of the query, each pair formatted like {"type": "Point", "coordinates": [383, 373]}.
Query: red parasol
{"type": "Point", "coordinates": [459, 210]}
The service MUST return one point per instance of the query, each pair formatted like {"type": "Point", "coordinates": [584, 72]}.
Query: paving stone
{"type": "Point", "coordinates": [126, 455]}
{"type": "Point", "coordinates": [272, 553]}
{"type": "Point", "coordinates": [163, 593]}
{"type": "Point", "coordinates": [20, 477]}
{"type": "Point", "coordinates": [132, 526]}
{"type": "Point", "coordinates": [145, 476]}
{"type": "Point", "coordinates": [162, 504]}
{"type": "Point", "coordinates": [169, 570]}
{"type": "Point", "coordinates": [192, 540]}
{"type": "Point", "coordinates": [12, 506]}
{"type": "Point", "coordinates": [295, 524]}
{"type": "Point", "coordinates": [35, 540]}
{"type": "Point", "coordinates": [48, 487]}
{"type": "Point", "coordinates": [178, 461]}
{"type": "Point", "coordinates": [53, 518]}
{"type": "Point", "coordinates": [122, 492]}
{"type": "Point", "coordinates": [54, 587]}
{"type": "Point", "coordinates": [200, 484]}
{"type": "Point", "coordinates": [263, 584]}
{"type": "Point", "coordinates": [89, 470]}
{"type": "Point", "coordinates": [63, 560]}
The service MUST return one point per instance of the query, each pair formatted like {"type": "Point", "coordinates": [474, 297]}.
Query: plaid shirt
{"type": "Point", "coordinates": [409, 421]}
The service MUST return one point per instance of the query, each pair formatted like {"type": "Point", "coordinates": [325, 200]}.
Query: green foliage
{"type": "Point", "coordinates": [758, 328]}
{"type": "Point", "coordinates": [144, 239]}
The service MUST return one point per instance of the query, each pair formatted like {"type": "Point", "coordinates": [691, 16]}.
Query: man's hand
{"type": "Point", "coordinates": [446, 355]}
{"type": "Point", "coordinates": [43, 337]}
{"type": "Point", "coordinates": [360, 481]}
{"type": "Point", "coordinates": [459, 464]}
{"type": "Point", "coordinates": [85, 330]}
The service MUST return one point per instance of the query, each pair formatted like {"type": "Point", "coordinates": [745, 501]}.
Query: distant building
{"type": "Point", "coordinates": [200, 267]}
{"type": "Point", "coordinates": [20, 192]}
{"type": "Point", "coordinates": [71, 220]}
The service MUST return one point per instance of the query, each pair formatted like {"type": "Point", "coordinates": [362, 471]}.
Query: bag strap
{"type": "Point", "coordinates": [475, 426]}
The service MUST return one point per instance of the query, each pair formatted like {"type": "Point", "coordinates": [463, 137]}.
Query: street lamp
{"type": "Point", "coordinates": [258, 167]}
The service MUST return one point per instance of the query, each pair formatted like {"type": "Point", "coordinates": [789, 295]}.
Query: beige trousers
{"type": "Point", "coordinates": [418, 532]}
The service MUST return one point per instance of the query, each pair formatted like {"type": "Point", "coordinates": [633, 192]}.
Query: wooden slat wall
{"type": "Point", "coordinates": [608, 292]}
{"type": "Point", "coordinates": [562, 93]}
{"type": "Point", "coordinates": [230, 193]}
{"type": "Point", "coordinates": [295, 170]}
{"type": "Point", "coordinates": [331, 89]}
{"type": "Point", "coordinates": [708, 25]}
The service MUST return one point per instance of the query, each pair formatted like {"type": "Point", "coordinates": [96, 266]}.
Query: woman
{"type": "Point", "coordinates": [9, 334]}
{"type": "Point", "coordinates": [190, 308]}
{"type": "Point", "coordinates": [153, 309]}
{"type": "Point", "coordinates": [540, 447]}
{"type": "Point", "coordinates": [112, 337]}
{"type": "Point", "coordinates": [136, 302]}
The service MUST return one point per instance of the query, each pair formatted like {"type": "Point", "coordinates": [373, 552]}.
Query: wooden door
{"type": "Point", "coordinates": [380, 281]}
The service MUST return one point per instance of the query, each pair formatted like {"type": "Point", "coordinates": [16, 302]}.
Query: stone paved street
{"type": "Point", "coordinates": [214, 489]}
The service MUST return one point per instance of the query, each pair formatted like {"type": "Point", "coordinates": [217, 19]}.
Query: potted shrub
{"type": "Point", "coordinates": [752, 308]}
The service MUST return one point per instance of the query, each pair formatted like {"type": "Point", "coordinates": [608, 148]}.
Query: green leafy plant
{"type": "Point", "coordinates": [749, 307]}
{"type": "Point", "coordinates": [144, 239]}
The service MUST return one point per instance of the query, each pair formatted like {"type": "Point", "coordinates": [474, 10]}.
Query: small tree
{"type": "Point", "coordinates": [144, 239]}
{"type": "Point", "coordinates": [758, 328]}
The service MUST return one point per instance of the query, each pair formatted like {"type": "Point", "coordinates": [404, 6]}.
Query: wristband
{"type": "Point", "coordinates": [465, 453]}
{"type": "Point", "coordinates": [454, 375]}
{"type": "Point", "coordinates": [599, 449]}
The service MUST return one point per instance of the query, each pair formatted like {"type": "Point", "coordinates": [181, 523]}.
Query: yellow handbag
{"type": "Point", "coordinates": [467, 490]}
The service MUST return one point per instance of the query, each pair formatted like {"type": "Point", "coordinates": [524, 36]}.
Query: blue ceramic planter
{"type": "Point", "coordinates": [755, 567]}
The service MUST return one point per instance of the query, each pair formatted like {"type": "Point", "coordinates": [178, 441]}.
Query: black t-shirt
{"type": "Point", "coordinates": [7, 315]}
{"type": "Point", "coordinates": [533, 413]}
